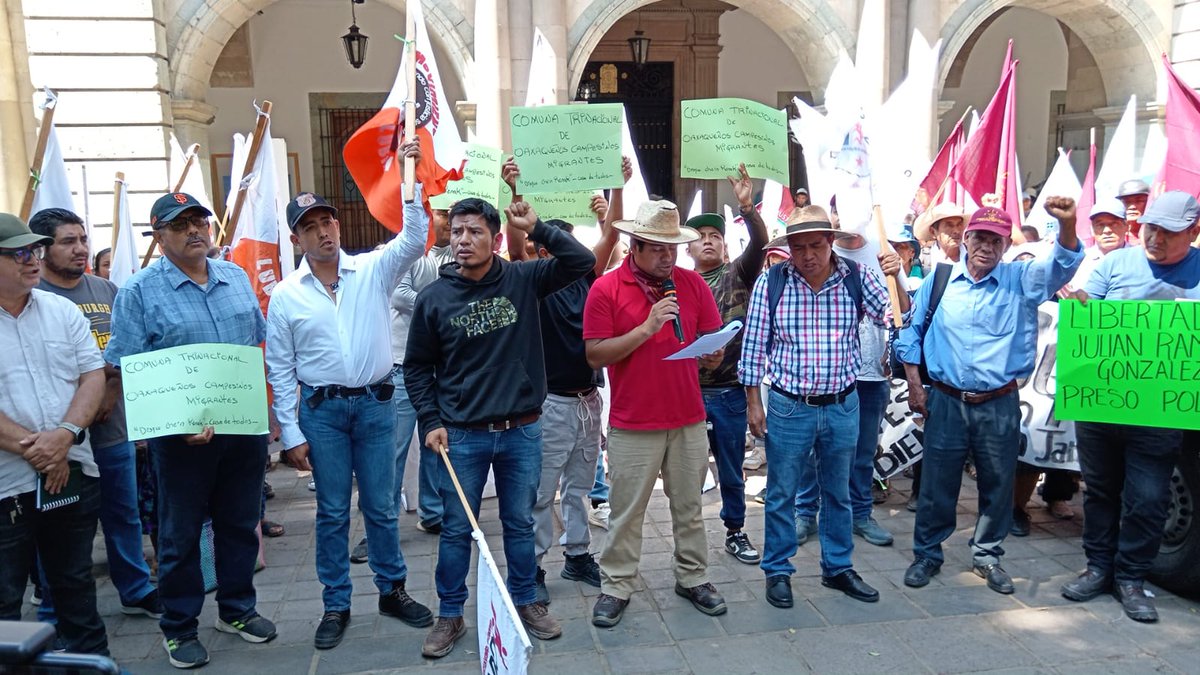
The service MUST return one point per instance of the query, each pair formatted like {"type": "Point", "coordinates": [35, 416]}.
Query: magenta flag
{"type": "Point", "coordinates": [1181, 170]}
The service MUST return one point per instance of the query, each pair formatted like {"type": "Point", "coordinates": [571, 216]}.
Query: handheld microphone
{"type": "Point", "coordinates": [668, 289]}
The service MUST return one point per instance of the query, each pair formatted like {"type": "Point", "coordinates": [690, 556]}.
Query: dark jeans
{"type": "Point", "coordinates": [1127, 471]}
{"type": "Point", "coordinates": [726, 409]}
{"type": "Point", "coordinates": [1058, 486]}
{"type": "Point", "coordinates": [221, 480]}
{"type": "Point", "coordinates": [990, 433]}
{"type": "Point", "coordinates": [63, 538]}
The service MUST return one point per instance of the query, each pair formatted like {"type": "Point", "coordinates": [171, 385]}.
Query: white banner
{"type": "Point", "coordinates": [503, 645]}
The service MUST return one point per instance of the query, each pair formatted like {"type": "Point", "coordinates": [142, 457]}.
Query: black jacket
{"type": "Point", "coordinates": [475, 347]}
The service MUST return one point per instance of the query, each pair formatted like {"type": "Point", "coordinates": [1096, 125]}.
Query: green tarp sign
{"type": "Point", "coordinates": [481, 178]}
{"type": "Point", "coordinates": [573, 207]}
{"type": "Point", "coordinates": [184, 389]}
{"type": "Point", "coordinates": [567, 148]}
{"type": "Point", "coordinates": [719, 133]}
{"type": "Point", "coordinates": [1129, 362]}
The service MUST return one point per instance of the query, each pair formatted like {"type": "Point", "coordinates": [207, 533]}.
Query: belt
{"type": "Point", "coordinates": [503, 425]}
{"type": "Point", "coordinates": [382, 390]}
{"type": "Point", "coordinates": [976, 397]}
{"type": "Point", "coordinates": [580, 393]}
{"type": "Point", "coordinates": [816, 399]}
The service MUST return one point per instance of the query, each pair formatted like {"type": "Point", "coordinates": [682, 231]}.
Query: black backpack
{"type": "Point", "coordinates": [853, 283]}
{"type": "Point", "coordinates": [941, 277]}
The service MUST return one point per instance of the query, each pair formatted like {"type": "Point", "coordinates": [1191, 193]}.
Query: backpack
{"type": "Point", "coordinates": [941, 277]}
{"type": "Point", "coordinates": [775, 280]}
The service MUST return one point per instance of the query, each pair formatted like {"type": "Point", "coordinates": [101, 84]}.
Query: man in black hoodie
{"type": "Point", "coordinates": [476, 375]}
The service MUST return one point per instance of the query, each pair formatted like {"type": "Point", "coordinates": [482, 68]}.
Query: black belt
{"type": "Point", "coordinates": [504, 425]}
{"type": "Point", "coordinates": [381, 390]}
{"type": "Point", "coordinates": [580, 393]}
{"type": "Point", "coordinates": [817, 399]}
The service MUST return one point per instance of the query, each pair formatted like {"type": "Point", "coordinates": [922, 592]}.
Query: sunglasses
{"type": "Point", "coordinates": [185, 224]}
{"type": "Point", "coordinates": [25, 255]}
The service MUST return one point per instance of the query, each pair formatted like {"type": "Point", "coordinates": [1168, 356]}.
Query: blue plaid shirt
{"type": "Point", "coordinates": [161, 307]}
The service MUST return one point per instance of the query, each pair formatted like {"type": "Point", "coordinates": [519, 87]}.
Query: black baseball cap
{"type": "Point", "coordinates": [302, 204]}
{"type": "Point", "coordinates": [169, 206]}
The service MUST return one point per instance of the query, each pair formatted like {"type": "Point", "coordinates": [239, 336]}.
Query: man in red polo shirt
{"type": "Point", "coordinates": [657, 416]}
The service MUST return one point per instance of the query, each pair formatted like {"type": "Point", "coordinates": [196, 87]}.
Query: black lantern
{"type": "Point", "coordinates": [639, 44]}
{"type": "Point", "coordinates": [354, 41]}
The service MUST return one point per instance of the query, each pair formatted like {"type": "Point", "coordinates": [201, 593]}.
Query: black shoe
{"type": "Point", "coordinates": [852, 585]}
{"type": "Point", "coordinates": [738, 545]}
{"type": "Point", "coordinates": [539, 585]}
{"type": "Point", "coordinates": [397, 603]}
{"type": "Point", "coordinates": [779, 591]}
{"type": "Point", "coordinates": [185, 652]}
{"type": "Point", "coordinates": [331, 629]}
{"type": "Point", "coordinates": [358, 555]}
{"type": "Point", "coordinates": [920, 572]}
{"type": "Point", "coordinates": [704, 597]}
{"type": "Point", "coordinates": [1020, 525]}
{"type": "Point", "coordinates": [608, 610]}
{"type": "Point", "coordinates": [997, 579]}
{"type": "Point", "coordinates": [911, 504]}
{"type": "Point", "coordinates": [582, 567]}
{"type": "Point", "coordinates": [430, 526]}
{"type": "Point", "coordinates": [148, 606]}
{"type": "Point", "coordinates": [1088, 585]}
{"type": "Point", "coordinates": [1137, 605]}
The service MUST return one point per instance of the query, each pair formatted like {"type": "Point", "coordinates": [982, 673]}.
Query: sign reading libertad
{"type": "Point", "coordinates": [184, 389]}
{"type": "Point", "coordinates": [567, 148]}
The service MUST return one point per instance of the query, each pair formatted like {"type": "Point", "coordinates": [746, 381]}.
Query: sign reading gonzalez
{"type": "Point", "coordinates": [1130, 362]}
{"type": "Point", "coordinates": [567, 148]}
{"type": "Point", "coordinates": [181, 390]}
{"type": "Point", "coordinates": [719, 133]}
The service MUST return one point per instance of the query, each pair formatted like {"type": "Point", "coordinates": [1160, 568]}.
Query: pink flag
{"type": "Point", "coordinates": [1087, 198]}
{"type": "Point", "coordinates": [943, 164]}
{"type": "Point", "coordinates": [1181, 170]}
{"type": "Point", "coordinates": [989, 153]}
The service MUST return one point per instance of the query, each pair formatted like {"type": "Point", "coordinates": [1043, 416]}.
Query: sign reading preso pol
{"type": "Point", "coordinates": [181, 390]}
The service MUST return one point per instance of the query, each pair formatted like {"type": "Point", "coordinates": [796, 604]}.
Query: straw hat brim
{"type": "Point", "coordinates": [923, 227]}
{"type": "Point", "coordinates": [685, 234]}
{"type": "Point", "coordinates": [782, 240]}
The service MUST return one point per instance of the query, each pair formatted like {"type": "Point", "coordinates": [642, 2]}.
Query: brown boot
{"type": "Point", "coordinates": [539, 622]}
{"type": "Point", "coordinates": [441, 639]}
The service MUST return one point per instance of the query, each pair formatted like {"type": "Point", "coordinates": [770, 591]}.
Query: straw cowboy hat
{"type": "Point", "coordinates": [657, 222]}
{"type": "Point", "coordinates": [804, 220]}
{"type": "Point", "coordinates": [923, 227]}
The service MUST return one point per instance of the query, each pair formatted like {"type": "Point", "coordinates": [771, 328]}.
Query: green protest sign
{"type": "Point", "coordinates": [184, 389]}
{"type": "Point", "coordinates": [567, 148]}
{"type": "Point", "coordinates": [1129, 362]}
{"type": "Point", "coordinates": [481, 178]}
{"type": "Point", "coordinates": [573, 207]}
{"type": "Point", "coordinates": [717, 134]}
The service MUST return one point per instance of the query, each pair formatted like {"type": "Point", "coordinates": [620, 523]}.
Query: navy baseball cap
{"type": "Point", "coordinates": [169, 206]}
{"type": "Point", "coordinates": [1175, 211]}
{"type": "Point", "coordinates": [302, 204]}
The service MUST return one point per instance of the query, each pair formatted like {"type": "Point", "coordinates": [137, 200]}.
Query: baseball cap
{"type": "Point", "coordinates": [1112, 206]}
{"type": "Point", "coordinates": [1175, 211]}
{"type": "Point", "coordinates": [990, 219]}
{"type": "Point", "coordinates": [14, 233]}
{"type": "Point", "coordinates": [168, 207]}
{"type": "Point", "coordinates": [302, 204]}
{"type": "Point", "coordinates": [904, 235]}
{"type": "Point", "coordinates": [707, 220]}
{"type": "Point", "coordinates": [802, 191]}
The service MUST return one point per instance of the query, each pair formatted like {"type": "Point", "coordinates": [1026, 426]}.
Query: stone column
{"type": "Point", "coordinates": [16, 113]}
{"type": "Point", "coordinates": [1185, 41]}
{"type": "Point", "coordinates": [550, 17]}
{"type": "Point", "coordinates": [492, 88]}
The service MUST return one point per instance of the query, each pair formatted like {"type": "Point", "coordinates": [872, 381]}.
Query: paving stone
{"type": "Point", "coordinates": [636, 629]}
{"type": "Point", "coordinates": [759, 617]}
{"type": "Point", "coordinates": [963, 600]}
{"type": "Point", "coordinates": [843, 611]}
{"type": "Point", "coordinates": [646, 660]}
{"type": "Point", "coordinates": [576, 637]}
{"type": "Point", "coordinates": [688, 624]}
{"type": "Point", "coordinates": [1118, 666]}
{"type": "Point", "coordinates": [767, 654]}
{"type": "Point", "coordinates": [555, 664]}
{"type": "Point", "coordinates": [357, 655]}
{"type": "Point", "coordinates": [854, 649]}
{"type": "Point", "coordinates": [1063, 635]}
{"type": "Point", "coordinates": [963, 644]}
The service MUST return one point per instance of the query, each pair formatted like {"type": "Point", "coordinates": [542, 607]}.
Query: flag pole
{"type": "Point", "coordinates": [229, 227]}
{"type": "Point", "coordinates": [410, 105]}
{"type": "Point", "coordinates": [893, 286]}
{"type": "Point", "coordinates": [39, 153]}
{"type": "Point", "coordinates": [454, 479]}
{"type": "Point", "coordinates": [192, 153]}
{"type": "Point", "coordinates": [118, 185]}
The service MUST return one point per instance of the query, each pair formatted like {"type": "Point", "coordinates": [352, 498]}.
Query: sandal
{"type": "Point", "coordinates": [272, 529]}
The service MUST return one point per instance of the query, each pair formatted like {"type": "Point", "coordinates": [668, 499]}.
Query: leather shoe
{"type": "Point", "coordinates": [997, 579]}
{"type": "Point", "coordinates": [1137, 605]}
{"type": "Point", "coordinates": [608, 610]}
{"type": "Point", "coordinates": [852, 585]}
{"type": "Point", "coordinates": [1020, 524]}
{"type": "Point", "coordinates": [920, 572]}
{"type": "Point", "coordinates": [779, 591]}
{"type": "Point", "coordinates": [703, 597]}
{"type": "Point", "coordinates": [1087, 585]}
{"type": "Point", "coordinates": [331, 630]}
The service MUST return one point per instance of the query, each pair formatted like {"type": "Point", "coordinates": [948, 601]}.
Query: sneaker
{"type": "Point", "coordinates": [738, 545]}
{"type": "Point", "coordinates": [312, 485]}
{"type": "Point", "coordinates": [911, 504]}
{"type": "Point", "coordinates": [254, 628]}
{"type": "Point", "coordinates": [36, 598]}
{"type": "Point", "coordinates": [441, 639]}
{"type": "Point", "coordinates": [599, 515]}
{"type": "Point", "coordinates": [539, 585]}
{"type": "Point", "coordinates": [805, 527]}
{"type": "Point", "coordinates": [880, 489]}
{"type": "Point", "coordinates": [399, 604]}
{"type": "Point", "coordinates": [539, 622]}
{"type": "Point", "coordinates": [430, 526]}
{"type": "Point", "coordinates": [755, 459]}
{"type": "Point", "coordinates": [582, 567]}
{"type": "Point", "coordinates": [358, 555]}
{"type": "Point", "coordinates": [761, 497]}
{"type": "Point", "coordinates": [332, 629]}
{"type": "Point", "coordinates": [872, 532]}
{"type": "Point", "coordinates": [148, 606]}
{"type": "Point", "coordinates": [185, 652]}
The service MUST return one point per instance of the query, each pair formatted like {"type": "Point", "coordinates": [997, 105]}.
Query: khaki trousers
{"type": "Point", "coordinates": [635, 459]}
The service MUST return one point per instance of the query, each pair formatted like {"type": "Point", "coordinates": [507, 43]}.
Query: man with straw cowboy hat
{"type": "Point", "coordinates": [942, 224]}
{"type": "Point", "coordinates": [635, 318]}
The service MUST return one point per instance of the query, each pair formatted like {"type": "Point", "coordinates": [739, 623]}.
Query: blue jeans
{"type": "Point", "coordinates": [796, 433]}
{"type": "Point", "coordinates": [599, 491]}
{"type": "Point", "coordinates": [726, 411]}
{"type": "Point", "coordinates": [429, 496]}
{"type": "Point", "coordinates": [351, 437]}
{"type": "Point", "coordinates": [406, 425]}
{"type": "Point", "coordinates": [515, 456]}
{"type": "Point", "coordinates": [221, 480]}
{"type": "Point", "coordinates": [872, 403]}
{"type": "Point", "coordinates": [990, 432]}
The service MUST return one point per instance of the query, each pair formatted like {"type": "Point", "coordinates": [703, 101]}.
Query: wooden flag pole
{"type": "Point", "coordinates": [410, 105]}
{"type": "Point", "coordinates": [229, 227]}
{"type": "Point", "coordinates": [462, 496]}
{"type": "Point", "coordinates": [192, 153]}
{"type": "Point", "coordinates": [892, 284]}
{"type": "Point", "coordinates": [39, 153]}
{"type": "Point", "coordinates": [118, 185]}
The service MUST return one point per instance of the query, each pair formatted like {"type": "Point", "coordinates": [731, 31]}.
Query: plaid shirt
{"type": "Point", "coordinates": [815, 349]}
{"type": "Point", "coordinates": [161, 307]}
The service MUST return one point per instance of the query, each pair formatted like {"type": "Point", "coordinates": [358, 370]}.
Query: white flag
{"type": "Point", "coordinates": [542, 88]}
{"type": "Point", "coordinates": [1061, 182]}
{"type": "Point", "coordinates": [503, 645]}
{"type": "Point", "coordinates": [1155, 153]}
{"type": "Point", "coordinates": [697, 205]}
{"type": "Point", "coordinates": [1118, 164]}
{"type": "Point", "coordinates": [821, 142]}
{"type": "Point", "coordinates": [125, 262]}
{"type": "Point", "coordinates": [193, 184]}
{"type": "Point", "coordinates": [53, 188]}
{"type": "Point", "coordinates": [635, 190]}
{"type": "Point", "coordinates": [255, 242]}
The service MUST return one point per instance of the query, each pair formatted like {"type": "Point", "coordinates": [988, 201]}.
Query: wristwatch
{"type": "Point", "coordinates": [79, 432]}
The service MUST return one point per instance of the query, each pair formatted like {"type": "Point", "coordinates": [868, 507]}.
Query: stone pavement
{"type": "Point", "coordinates": [954, 625]}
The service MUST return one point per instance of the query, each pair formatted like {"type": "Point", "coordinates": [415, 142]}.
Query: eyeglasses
{"type": "Point", "coordinates": [185, 224]}
{"type": "Point", "coordinates": [24, 255]}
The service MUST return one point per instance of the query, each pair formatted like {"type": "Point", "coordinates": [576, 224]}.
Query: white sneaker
{"type": "Point", "coordinates": [755, 459]}
{"type": "Point", "coordinates": [312, 485]}
{"type": "Point", "coordinates": [599, 516]}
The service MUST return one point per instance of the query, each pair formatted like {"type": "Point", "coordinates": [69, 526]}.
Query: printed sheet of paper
{"type": "Point", "coordinates": [707, 344]}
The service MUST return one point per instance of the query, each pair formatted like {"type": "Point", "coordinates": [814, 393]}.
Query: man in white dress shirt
{"type": "Point", "coordinates": [328, 329]}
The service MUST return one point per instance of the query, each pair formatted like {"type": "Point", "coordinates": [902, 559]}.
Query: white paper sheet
{"type": "Point", "coordinates": [707, 344]}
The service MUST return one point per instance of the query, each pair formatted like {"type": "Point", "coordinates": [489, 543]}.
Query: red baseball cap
{"type": "Point", "coordinates": [991, 219]}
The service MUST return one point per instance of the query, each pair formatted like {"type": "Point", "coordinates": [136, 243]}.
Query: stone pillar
{"type": "Point", "coordinates": [16, 113]}
{"type": "Point", "coordinates": [1185, 41]}
{"type": "Point", "coordinates": [550, 17]}
{"type": "Point", "coordinates": [492, 88]}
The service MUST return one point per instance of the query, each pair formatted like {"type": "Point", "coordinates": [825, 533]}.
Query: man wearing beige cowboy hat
{"type": "Point", "coordinates": [943, 225]}
{"type": "Point", "coordinates": [634, 318]}
{"type": "Point", "coordinates": [802, 333]}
